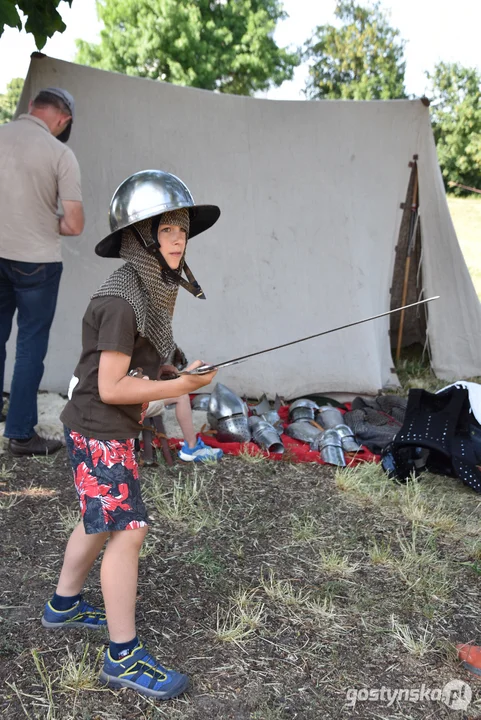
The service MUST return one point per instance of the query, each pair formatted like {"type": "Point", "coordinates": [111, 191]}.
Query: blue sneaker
{"type": "Point", "coordinates": [80, 615]}
{"type": "Point", "coordinates": [199, 453]}
{"type": "Point", "coordinates": [139, 671]}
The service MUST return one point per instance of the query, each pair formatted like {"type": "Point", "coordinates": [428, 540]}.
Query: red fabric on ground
{"type": "Point", "coordinates": [295, 450]}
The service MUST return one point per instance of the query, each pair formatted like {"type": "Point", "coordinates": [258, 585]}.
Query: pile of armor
{"type": "Point", "coordinates": [322, 427]}
{"type": "Point", "coordinates": [228, 415]}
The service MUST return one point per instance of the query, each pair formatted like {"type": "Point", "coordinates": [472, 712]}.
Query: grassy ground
{"type": "Point", "coordinates": [282, 590]}
{"type": "Point", "coordinates": [285, 591]}
{"type": "Point", "coordinates": [466, 215]}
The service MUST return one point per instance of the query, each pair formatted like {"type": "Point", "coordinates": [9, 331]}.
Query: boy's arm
{"type": "Point", "coordinates": [116, 387]}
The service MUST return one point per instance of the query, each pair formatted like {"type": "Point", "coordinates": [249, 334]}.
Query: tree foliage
{"type": "Point", "coordinates": [43, 18]}
{"type": "Point", "coordinates": [362, 59]}
{"type": "Point", "coordinates": [224, 45]}
{"type": "Point", "coordinates": [9, 101]}
{"type": "Point", "coordinates": [456, 118]}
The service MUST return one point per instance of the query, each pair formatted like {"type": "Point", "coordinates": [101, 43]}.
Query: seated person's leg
{"type": "Point", "coordinates": [193, 449]}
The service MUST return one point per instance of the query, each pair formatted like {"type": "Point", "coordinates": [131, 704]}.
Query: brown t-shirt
{"type": "Point", "coordinates": [108, 324]}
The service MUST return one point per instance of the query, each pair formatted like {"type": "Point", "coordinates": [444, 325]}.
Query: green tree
{"type": "Point", "coordinates": [43, 19]}
{"type": "Point", "coordinates": [362, 59]}
{"type": "Point", "coordinates": [224, 45]}
{"type": "Point", "coordinates": [456, 118]}
{"type": "Point", "coordinates": [9, 101]}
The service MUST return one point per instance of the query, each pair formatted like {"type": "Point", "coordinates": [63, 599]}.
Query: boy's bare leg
{"type": "Point", "coordinates": [183, 413]}
{"type": "Point", "coordinates": [80, 554]}
{"type": "Point", "coordinates": [118, 576]}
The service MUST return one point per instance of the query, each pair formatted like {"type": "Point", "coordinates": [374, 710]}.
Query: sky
{"type": "Point", "coordinates": [434, 31]}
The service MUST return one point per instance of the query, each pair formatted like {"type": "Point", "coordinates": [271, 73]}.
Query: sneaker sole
{"type": "Point", "coordinates": [117, 684]}
{"type": "Point", "coordinates": [65, 625]}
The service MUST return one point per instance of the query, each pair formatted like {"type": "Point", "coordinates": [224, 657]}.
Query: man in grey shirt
{"type": "Point", "coordinates": [37, 170]}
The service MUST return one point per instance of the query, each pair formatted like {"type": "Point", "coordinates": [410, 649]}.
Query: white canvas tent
{"type": "Point", "coordinates": [310, 194]}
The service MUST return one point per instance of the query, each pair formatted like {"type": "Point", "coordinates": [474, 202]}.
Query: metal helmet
{"type": "Point", "coordinates": [265, 435]}
{"type": "Point", "coordinates": [233, 429]}
{"type": "Point", "coordinates": [227, 414]}
{"type": "Point", "coordinates": [224, 403]}
{"type": "Point", "coordinates": [200, 401]}
{"type": "Point", "coordinates": [302, 409]}
{"type": "Point", "coordinates": [145, 195]}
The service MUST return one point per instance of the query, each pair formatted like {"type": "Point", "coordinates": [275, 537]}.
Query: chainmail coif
{"type": "Point", "coordinates": [145, 287]}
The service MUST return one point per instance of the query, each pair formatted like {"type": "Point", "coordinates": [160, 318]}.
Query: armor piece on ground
{"type": "Point", "coordinates": [440, 423]}
{"type": "Point", "coordinates": [233, 429]}
{"type": "Point", "coordinates": [200, 401]}
{"type": "Point", "coordinates": [329, 444]}
{"type": "Point", "coordinates": [329, 417]}
{"type": "Point", "coordinates": [373, 428]}
{"type": "Point", "coordinates": [349, 443]}
{"type": "Point", "coordinates": [303, 431]}
{"type": "Point", "coordinates": [392, 405]}
{"type": "Point", "coordinates": [227, 414]}
{"type": "Point", "coordinates": [262, 407]}
{"type": "Point", "coordinates": [302, 409]}
{"type": "Point", "coordinates": [265, 435]}
{"type": "Point", "coordinates": [277, 403]}
{"type": "Point", "coordinates": [273, 418]}
{"type": "Point", "coordinates": [224, 403]}
{"type": "Point", "coordinates": [145, 195]}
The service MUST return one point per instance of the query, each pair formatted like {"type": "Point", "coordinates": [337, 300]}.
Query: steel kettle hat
{"type": "Point", "coordinates": [147, 194]}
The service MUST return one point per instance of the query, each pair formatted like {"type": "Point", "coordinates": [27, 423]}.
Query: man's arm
{"type": "Point", "coordinates": [72, 221]}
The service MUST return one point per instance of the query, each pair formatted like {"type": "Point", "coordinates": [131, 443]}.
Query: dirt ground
{"type": "Point", "coordinates": [285, 592]}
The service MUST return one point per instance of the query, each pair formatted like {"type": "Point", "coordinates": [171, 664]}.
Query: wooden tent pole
{"type": "Point", "coordinates": [407, 266]}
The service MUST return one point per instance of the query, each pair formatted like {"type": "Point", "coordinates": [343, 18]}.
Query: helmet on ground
{"type": "Point", "coordinates": [302, 409]}
{"type": "Point", "coordinates": [200, 401]}
{"type": "Point", "coordinates": [227, 413]}
{"type": "Point", "coordinates": [147, 194]}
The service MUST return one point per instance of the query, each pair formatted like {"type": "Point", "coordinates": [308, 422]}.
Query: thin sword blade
{"type": "Point", "coordinates": [203, 369]}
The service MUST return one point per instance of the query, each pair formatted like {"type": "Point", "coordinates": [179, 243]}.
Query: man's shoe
{"type": "Point", "coordinates": [36, 445]}
{"type": "Point", "coordinates": [140, 671]}
{"type": "Point", "coordinates": [470, 655]}
{"type": "Point", "coordinates": [80, 615]}
{"type": "Point", "coordinates": [199, 453]}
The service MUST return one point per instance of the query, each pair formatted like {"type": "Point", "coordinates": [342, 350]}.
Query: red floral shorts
{"type": "Point", "coordinates": [106, 477]}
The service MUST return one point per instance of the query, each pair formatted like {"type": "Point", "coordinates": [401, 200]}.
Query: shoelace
{"type": "Point", "coordinates": [84, 608]}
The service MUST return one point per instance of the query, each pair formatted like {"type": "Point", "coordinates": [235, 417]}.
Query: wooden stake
{"type": "Point", "coordinates": [407, 266]}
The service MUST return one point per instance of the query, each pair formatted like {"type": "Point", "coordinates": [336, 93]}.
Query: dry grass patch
{"type": "Point", "coordinates": [418, 644]}
{"type": "Point", "coordinates": [186, 502]}
{"type": "Point", "coordinates": [306, 528]}
{"type": "Point", "coordinates": [241, 619]}
{"type": "Point", "coordinates": [69, 518]}
{"type": "Point", "coordinates": [333, 563]}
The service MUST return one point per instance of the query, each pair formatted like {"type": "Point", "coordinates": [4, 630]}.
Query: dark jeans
{"type": "Point", "coordinates": [32, 289]}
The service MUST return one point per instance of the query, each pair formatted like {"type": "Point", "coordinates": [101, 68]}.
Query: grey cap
{"type": "Point", "coordinates": [67, 98]}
